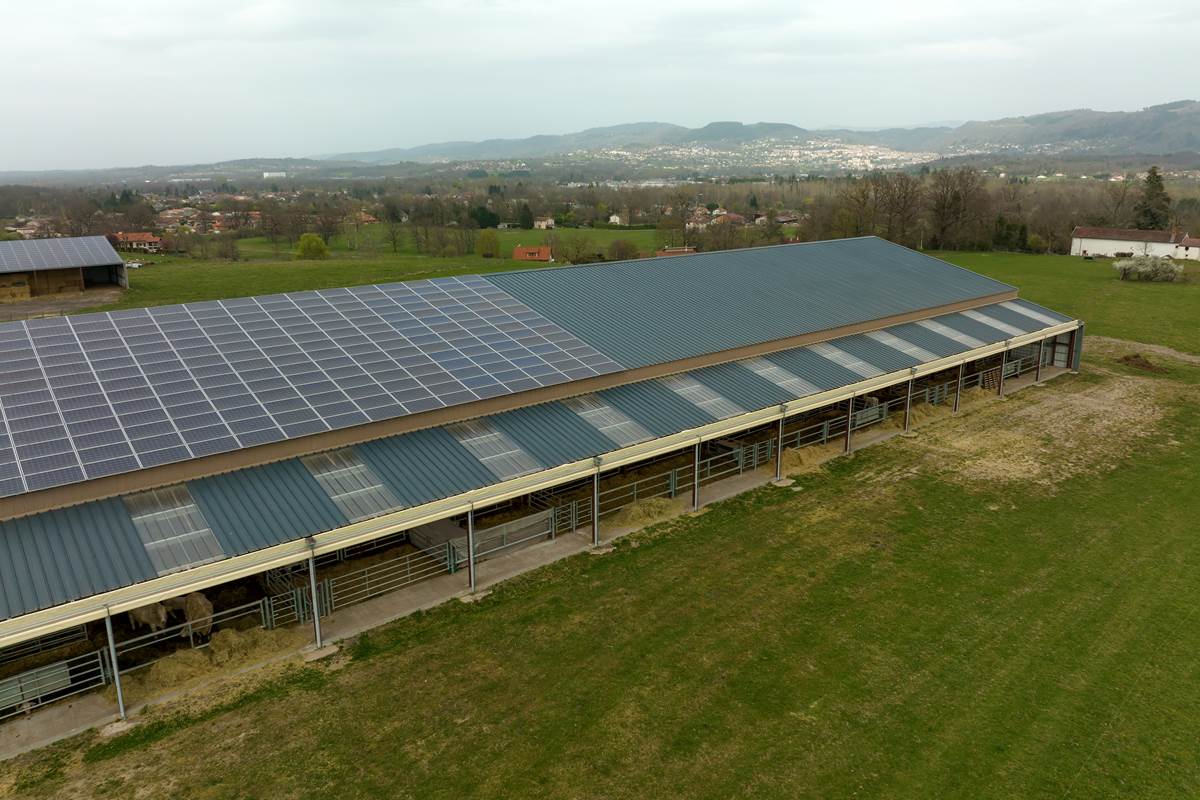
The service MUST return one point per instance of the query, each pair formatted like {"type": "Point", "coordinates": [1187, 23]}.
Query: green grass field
{"type": "Point", "coordinates": [1001, 607]}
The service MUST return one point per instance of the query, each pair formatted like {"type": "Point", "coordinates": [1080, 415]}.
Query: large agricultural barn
{"type": "Point", "coordinates": [241, 462]}
{"type": "Point", "coordinates": [36, 267]}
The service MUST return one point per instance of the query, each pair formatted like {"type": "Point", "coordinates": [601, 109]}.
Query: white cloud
{"type": "Point", "coordinates": [231, 78]}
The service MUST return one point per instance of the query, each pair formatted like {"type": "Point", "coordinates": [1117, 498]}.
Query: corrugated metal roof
{"type": "Point", "coordinates": [814, 368]}
{"type": "Point", "coordinates": [24, 255]}
{"type": "Point", "coordinates": [573, 437]}
{"type": "Point", "coordinates": [255, 508]}
{"type": "Point", "coordinates": [659, 310]}
{"type": "Point", "coordinates": [58, 556]}
{"type": "Point", "coordinates": [741, 385]}
{"type": "Point", "coordinates": [1042, 310]}
{"type": "Point", "coordinates": [1014, 318]}
{"type": "Point", "coordinates": [876, 353]}
{"type": "Point", "coordinates": [63, 555]}
{"type": "Point", "coordinates": [985, 333]}
{"type": "Point", "coordinates": [923, 337]}
{"type": "Point", "coordinates": [423, 466]}
{"type": "Point", "coordinates": [655, 407]}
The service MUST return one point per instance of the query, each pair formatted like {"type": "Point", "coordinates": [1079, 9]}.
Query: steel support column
{"type": "Point", "coordinates": [471, 549]}
{"type": "Point", "coordinates": [316, 600]}
{"type": "Point", "coordinates": [849, 422]}
{"type": "Point", "coordinates": [596, 509]}
{"type": "Point", "coordinates": [1037, 375]}
{"type": "Point", "coordinates": [908, 406]}
{"type": "Point", "coordinates": [779, 452]}
{"type": "Point", "coordinates": [958, 390]}
{"type": "Point", "coordinates": [696, 477]}
{"type": "Point", "coordinates": [112, 658]}
{"type": "Point", "coordinates": [1003, 364]}
{"type": "Point", "coordinates": [1076, 353]}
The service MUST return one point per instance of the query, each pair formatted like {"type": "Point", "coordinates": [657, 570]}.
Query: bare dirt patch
{"type": "Point", "coordinates": [1043, 437]}
{"type": "Point", "coordinates": [1139, 361]}
{"type": "Point", "coordinates": [1106, 345]}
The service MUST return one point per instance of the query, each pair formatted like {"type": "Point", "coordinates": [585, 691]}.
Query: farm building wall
{"type": "Point", "coordinates": [14, 286]}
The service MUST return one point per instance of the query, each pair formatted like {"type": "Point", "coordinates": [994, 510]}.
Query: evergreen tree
{"type": "Point", "coordinates": [1153, 209]}
{"type": "Point", "coordinates": [525, 217]}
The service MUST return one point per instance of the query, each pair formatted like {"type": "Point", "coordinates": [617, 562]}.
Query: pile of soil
{"type": "Point", "coordinates": [1139, 361]}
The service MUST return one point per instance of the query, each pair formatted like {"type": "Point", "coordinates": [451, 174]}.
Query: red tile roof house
{"type": "Point", "coordinates": [138, 240]}
{"type": "Point", "coordinates": [1118, 242]}
{"type": "Point", "coordinates": [542, 253]}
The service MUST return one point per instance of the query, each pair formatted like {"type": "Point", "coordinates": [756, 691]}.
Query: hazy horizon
{"type": "Point", "coordinates": [137, 83]}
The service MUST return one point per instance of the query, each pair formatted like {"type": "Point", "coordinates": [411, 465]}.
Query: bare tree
{"type": "Point", "coordinates": [578, 248]}
{"type": "Point", "coordinates": [957, 202]}
{"type": "Point", "coordinates": [328, 216]}
{"type": "Point", "coordinates": [898, 198]}
{"type": "Point", "coordinates": [1117, 198]}
{"type": "Point", "coordinates": [856, 213]}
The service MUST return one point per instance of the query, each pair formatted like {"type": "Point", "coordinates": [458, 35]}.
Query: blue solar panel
{"type": "Point", "coordinates": [99, 394]}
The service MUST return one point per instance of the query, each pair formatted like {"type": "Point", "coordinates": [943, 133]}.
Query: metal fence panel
{"type": "Point", "coordinates": [37, 687]}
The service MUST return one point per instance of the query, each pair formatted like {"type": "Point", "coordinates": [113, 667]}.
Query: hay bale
{"type": "Point", "coordinates": [924, 411]}
{"type": "Point", "coordinates": [181, 667]}
{"type": "Point", "coordinates": [644, 512]}
{"type": "Point", "coordinates": [810, 457]}
{"type": "Point", "coordinates": [975, 394]}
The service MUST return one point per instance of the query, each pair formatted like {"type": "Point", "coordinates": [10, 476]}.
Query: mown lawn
{"type": "Point", "coordinates": [891, 628]}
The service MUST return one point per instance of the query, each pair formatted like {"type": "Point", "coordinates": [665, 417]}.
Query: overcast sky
{"type": "Point", "coordinates": [128, 82]}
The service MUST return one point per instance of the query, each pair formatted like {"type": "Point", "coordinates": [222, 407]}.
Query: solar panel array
{"type": "Point", "coordinates": [99, 394]}
{"type": "Point", "coordinates": [80, 251]}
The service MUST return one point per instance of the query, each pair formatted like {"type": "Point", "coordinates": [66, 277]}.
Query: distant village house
{"type": "Point", "coordinates": [543, 223]}
{"type": "Point", "coordinates": [540, 253]}
{"type": "Point", "coordinates": [138, 241]}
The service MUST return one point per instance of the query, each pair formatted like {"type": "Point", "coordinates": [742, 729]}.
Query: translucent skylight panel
{"type": "Point", "coordinates": [1032, 313]}
{"type": "Point", "coordinates": [990, 321]}
{"type": "Point", "coordinates": [784, 379]}
{"type": "Point", "coordinates": [844, 359]}
{"type": "Point", "coordinates": [494, 449]}
{"type": "Point", "coordinates": [172, 529]}
{"type": "Point", "coordinates": [351, 484]}
{"type": "Point", "coordinates": [701, 396]}
{"type": "Point", "coordinates": [950, 333]}
{"type": "Point", "coordinates": [896, 343]}
{"type": "Point", "coordinates": [614, 424]}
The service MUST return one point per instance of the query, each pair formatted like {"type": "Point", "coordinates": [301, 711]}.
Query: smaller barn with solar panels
{"type": "Point", "coordinates": [169, 473]}
{"type": "Point", "coordinates": [38, 267]}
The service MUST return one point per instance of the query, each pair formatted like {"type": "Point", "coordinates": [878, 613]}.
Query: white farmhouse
{"type": "Point", "coordinates": [1118, 242]}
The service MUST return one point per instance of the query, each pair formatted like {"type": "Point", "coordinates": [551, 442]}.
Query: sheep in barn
{"type": "Point", "coordinates": [153, 616]}
{"type": "Point", "coordinates": [199, 613]}
{"type": "Point", "coordinates": [196, 610]}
